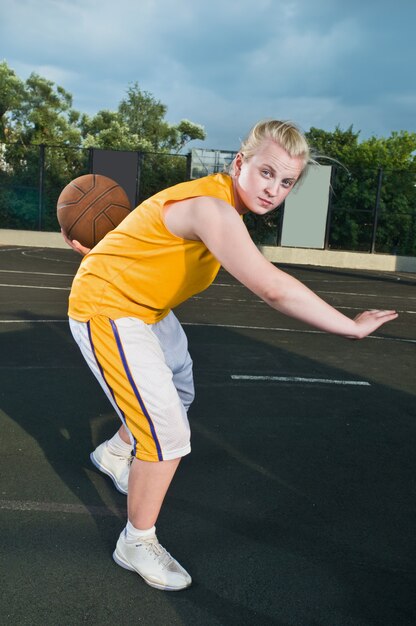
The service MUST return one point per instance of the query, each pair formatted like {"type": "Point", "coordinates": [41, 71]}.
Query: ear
{"type": "Point", "coordinates": [238, 162]}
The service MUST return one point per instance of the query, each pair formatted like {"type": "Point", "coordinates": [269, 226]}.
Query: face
{"type": "Point", "coordinates": [263, 181]}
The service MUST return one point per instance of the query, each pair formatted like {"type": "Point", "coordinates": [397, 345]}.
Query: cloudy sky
{"type": "Point", "coordinates": [227, 63]}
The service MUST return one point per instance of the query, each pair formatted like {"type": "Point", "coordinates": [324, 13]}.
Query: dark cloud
{"type": "Point", "coordinates": [227, 64]}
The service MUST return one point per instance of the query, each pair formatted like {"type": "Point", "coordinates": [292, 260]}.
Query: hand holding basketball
{"type": "Point", "coordinates": [88, 208]}
{"type": "Point", "coordinates": [75, 245]}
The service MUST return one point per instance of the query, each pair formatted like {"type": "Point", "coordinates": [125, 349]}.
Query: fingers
{"type": "Point", "coordinates": [64, 235]}
{"type": "Point", "coordinates": [75, 245]}
{"type": "Point", "coordinates": [79, 247]}
{"type": "Point", "coordinates": [381, 314]}
{"type": "Point", "coordinates": [376, 314]}
{"type": "Point", "coordinates": [369, 321]}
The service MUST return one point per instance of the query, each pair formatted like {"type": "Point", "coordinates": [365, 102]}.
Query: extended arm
{"type": "Point", "coordinates": [219, 226]}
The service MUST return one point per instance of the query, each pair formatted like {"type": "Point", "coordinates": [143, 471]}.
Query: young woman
{"type": "Point", "coordinates": [120, 308]}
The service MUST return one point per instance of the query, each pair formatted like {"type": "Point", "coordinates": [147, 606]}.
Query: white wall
{"type": "Point", "coordinates": [306, 210]}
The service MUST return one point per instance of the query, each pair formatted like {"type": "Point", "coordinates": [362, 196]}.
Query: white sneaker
{"type": "Point", "coordinates": [117, 467]}
{"type": "Point", "coordinates": [152, 562]}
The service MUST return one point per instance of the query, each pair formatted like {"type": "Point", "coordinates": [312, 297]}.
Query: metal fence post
{"type": "Point", "coordinates": [330, 201]}
{"type": "Point", "coordinates": [188, 166]}
{"type": "Point", "coordinates": [41, 184]}
{"type": "Point", "coordinates": [140, 160]}
{"type": "Point", "coordinates": [376, 209]}
{"type": "Point", "coordinates": [90, 159]}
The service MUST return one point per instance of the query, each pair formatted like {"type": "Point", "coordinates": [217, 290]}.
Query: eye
{"type": "Point", "coordinates": [266, 173]}
{"type": "Point", "coordinates": [288, 183]}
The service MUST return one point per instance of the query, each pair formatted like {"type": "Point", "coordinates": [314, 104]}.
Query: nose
{"type": "Point", "coordinates": [272, 189]}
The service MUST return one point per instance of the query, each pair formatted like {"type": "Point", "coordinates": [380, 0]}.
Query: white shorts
{"type": "Point", "coordinates": [146, 373]}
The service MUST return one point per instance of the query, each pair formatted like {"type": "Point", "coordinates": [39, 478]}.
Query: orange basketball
{"type": "Point", "coordinates": [90, 206]}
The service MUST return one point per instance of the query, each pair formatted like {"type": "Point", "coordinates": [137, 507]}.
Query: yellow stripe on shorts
{"type": "Point", "coordinates": [111, 359]}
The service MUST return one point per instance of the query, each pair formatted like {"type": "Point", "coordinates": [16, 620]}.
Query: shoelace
{"type": "Point", "coordinates": [158, 552]}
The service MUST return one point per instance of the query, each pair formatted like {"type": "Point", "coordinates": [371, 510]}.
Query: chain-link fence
{"type": "Point", "coordinates": [369, 211]}
{"type": "Point", "coordinates": [31, 179]}
{"type": "Point", "coordinates": [372, 210]}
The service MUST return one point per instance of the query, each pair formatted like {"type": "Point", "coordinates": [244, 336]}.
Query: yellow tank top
{"type": "Point", "coordinates": [140, 269]}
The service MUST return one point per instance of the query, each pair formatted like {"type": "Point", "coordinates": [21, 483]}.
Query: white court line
{"type": "Point", "coordinates": [300, 379]}
{"type": "Point", "coordinates": [289, 330]}
{"type": "Point", "coordinates": [306, 282]}
{"type": "Point", "coordinates": [366, 295]}
{"type": "Point", "coordinates": [193, 298]}
{"type": "Point", "coordinates": [356, 308]}
{"type": "Point", "coordinates": [29, 321]}
{"type": "Point", "coordinates": [232, 326]}
{"type": "Point", "coordinates": [36, 273]}
{"type": "Point", "coordinates": [35, 287]}
{"type": "Point", "coordinates": [337, 293]}
{"type": "Point", "coordinates": [59, 507]}
{"type": "Point", "coordinates": [254, 301]}
{"type": "Point", "coordinates": [39, 367]}
{"type": "Point", "coordinates": [48, 258]}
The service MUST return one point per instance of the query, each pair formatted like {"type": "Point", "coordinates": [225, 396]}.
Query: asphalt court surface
{"type": "Point", "coordinates": [297, 504]}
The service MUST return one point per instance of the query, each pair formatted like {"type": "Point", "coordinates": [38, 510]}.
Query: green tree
{"type": "Point", "coordinates": [357, 166]}
{"type": "Point", "coordinates": [144, 117]}
{"type": "Point", "coordinates": [188, 131]}
{"type": "Point", "coordinates": [38, 112]}
{"type": "Point", "coordinates": [108, 131]}
{"type": "Point", "coordinates": [11, 96]}
{"type": "Point", "coordinates": [45, 115]}
{"type": "Point", "coordinates": [138, 124]}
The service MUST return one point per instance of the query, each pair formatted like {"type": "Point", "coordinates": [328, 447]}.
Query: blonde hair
{"type": "Point", "coordinates": [284, 133]}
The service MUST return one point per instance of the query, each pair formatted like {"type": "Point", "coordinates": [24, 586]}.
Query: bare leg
{"type": "Point", "coordinates": [141, 552]}
{"type": "Point", "coordinates": [148, 484]}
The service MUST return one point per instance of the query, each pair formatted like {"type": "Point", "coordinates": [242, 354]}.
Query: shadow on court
{"type": "Point", "coordinates": [296, 506]}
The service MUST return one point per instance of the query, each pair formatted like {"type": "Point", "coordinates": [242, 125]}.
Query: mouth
{"type": "Point", "coordinates": [265, 202]}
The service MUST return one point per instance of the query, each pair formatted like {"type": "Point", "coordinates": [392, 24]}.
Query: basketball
{"type": "Point", "coordinates": [90, 206]}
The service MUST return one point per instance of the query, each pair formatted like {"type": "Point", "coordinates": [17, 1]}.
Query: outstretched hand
{"type": "Point", "coordinates": [75, 245]}
{"type": "Point", "coordinates": [368, 321]}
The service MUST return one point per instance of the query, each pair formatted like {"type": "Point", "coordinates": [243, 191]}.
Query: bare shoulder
{"type": "Point", "coordinates": [189, 218]}
{"type": "Point", "coordinates": [219, 226]}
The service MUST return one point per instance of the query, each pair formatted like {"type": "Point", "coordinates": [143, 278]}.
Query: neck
{"type": "Point", "coordinates": [239, 206]}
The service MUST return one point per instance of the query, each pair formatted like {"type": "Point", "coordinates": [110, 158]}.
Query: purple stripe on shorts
{"type": "Point", "coordinates": [136, 391]}
{"type": "Point", "coordinates": [123, 417]}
